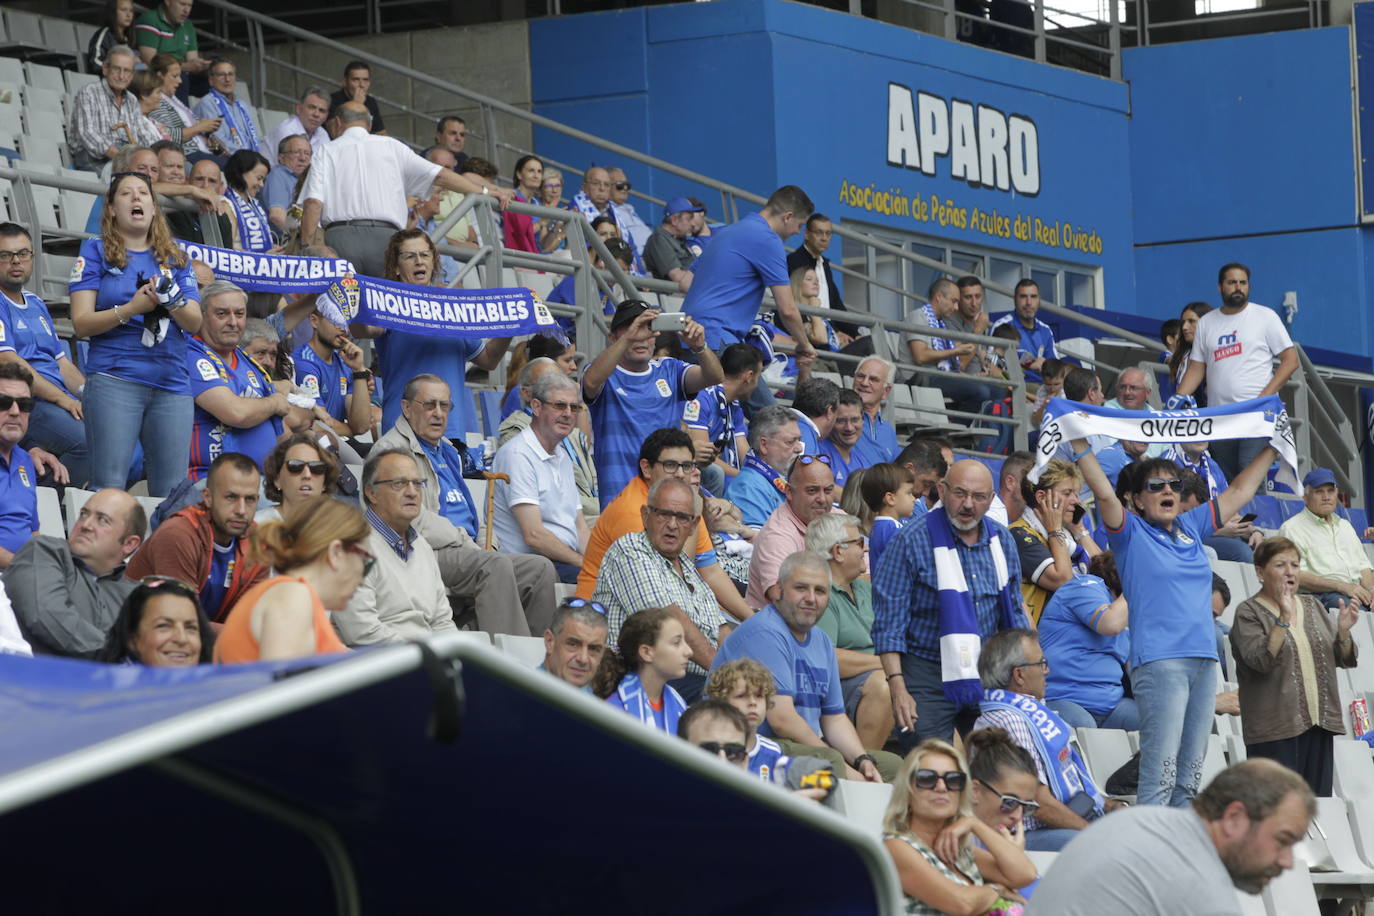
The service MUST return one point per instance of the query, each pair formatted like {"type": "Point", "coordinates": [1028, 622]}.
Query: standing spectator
{"type": "Point", "coordinates": [167, 29]}
{"type": "Point", "coordinates": [1168, 588]}
{"type": "Point", "coordinates": [105, 115]}
{"type": "Point", "coordinates": [889, 492]}
{"type": "Point", "coordinates": [181, 124]}
{"type": "Point", "coordinates": [646, 569]}
{"type": "Point", "coordinates": [650, 652]}
{"type": "Point", "coordinates": [320, 561]}
{"type": "Point", "coordinates": [133, 293]}
{"type": "Point", "coordinates": [331, 369]}
{"type": "Point", "coordinates": [666, 255]}
{"type": "Point", "coordinates": [298, 470]}
{"type": "Point", "coordinates": [539, 511]}
{"type": "Point", "coordinates": [730, 277]}
{"type": "Point", "coordinates": [307, 121]}
{"type": "Point", "coordinates": [873, 384]}
{"type": "Point", "coordinates": [1082, 630]}
{"type": "Point", "coordinates": [1010, 502]}
{"type": "Point", "coordinates": [1234, 348]}
{"type": "Point", "coordinates": [1334, 565]}
{"type": "Point", "coordinates": [760, 486]}
{"type": "Point", "coordinates": [28, 340]}
{"type": "Point", "coordinates": [279, 191]}
{"type": "Point", "coordinates": [715, 418]}
{"type": "Point", "coordinates": [635, 230]}
{"type": "Point", "coordinates": [1178, 362]}
{"type": "Point", "coordinates": [245, 173]}
{"type": "Point", "coordinates": [517, 227]}
{"type": "Point", "coordinates": [845, 445]}
{"type": "Point", "coordinates": [923, 614]}
{"type": "Point", "coordinates": [117, 30]}
{"type": "Point", "coordinates": [206, 544]}
{"type": "Point", "coordinates": [810, 494]}
{"type": "Point", "coordinates": [1053, 547]}
{"type": "Point", "coordinates": [67, 594]}
{"type": "Point", "coordinates": [1286, 650]}
{"type": "Point", "coordinates": [629, 391]}
{"type": "Point", "coordinates": [451, 133]}
{"type": "Point", "coordinates": [161, 625]}
{"type": "Point", "coordinates": [239, 128]}
{"type": "Point", "coordinates": [357, 83]}
{"type": "Point", "coordinates": [927, 462]}
{"type": "Point", "coordinates": [1037, 340]}
{"type": "Point", "coordinates": [811, 254]}
{"type": "Point", "coordinates": [575, 642]}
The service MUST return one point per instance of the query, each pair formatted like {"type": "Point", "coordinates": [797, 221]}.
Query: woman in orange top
{"type": "Point", "coordinates": [318, 553]}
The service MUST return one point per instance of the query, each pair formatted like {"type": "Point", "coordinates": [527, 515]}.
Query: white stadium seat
{"type": "Point", "coordinates": [528, 650]}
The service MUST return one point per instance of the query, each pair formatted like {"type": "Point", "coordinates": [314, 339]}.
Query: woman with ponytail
{"type": "Point", "coordinates": [651, 651]}
{"type": "Point", "coordinates": [318, 554]}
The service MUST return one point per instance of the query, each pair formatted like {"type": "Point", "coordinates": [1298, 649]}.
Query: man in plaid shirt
{"type": "Point", "coordinates": [106, 116]}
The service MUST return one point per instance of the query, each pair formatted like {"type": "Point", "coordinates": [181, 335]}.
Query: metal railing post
{"type": "Point", "coordinates": [1114, 38]}
{"type": "Point", "coordinates": [489, 125]}
{"type": "Point", "coordinates": [1040, 30]}
{"type": "Point", "coordinates": [951, 21]}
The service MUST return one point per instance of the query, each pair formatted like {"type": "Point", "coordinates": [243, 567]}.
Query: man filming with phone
{"type": "Point", "coordinates": [630, 394]}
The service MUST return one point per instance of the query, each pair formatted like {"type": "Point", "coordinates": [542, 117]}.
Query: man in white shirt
{"type": "Point", "coordinates": [539, 511]}
{"type": "Point", "coordinates": [311, 111]}
{"type": "Point", "coordinates": [1234, 348]}
{"type": "Point", "coordinates": [358, 186]}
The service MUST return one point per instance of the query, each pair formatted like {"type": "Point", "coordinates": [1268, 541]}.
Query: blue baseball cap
{"type": "Point", "coordinates": [1318, 477]}
{"type": "Point", "coordinates": [680, 205]}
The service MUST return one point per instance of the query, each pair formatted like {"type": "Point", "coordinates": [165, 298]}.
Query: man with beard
{"type": "Point", "coordinates": [330, 367]}
{"type": "Point", "coordinates": [1157, 861]}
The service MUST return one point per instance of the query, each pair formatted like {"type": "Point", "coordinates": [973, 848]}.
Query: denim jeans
{"type": "Point", "coordinates": [1124, 716]}
{"type": "Point", "coordinates": [1177, 699]}
{"type": "Point", "coordinates": [1049, 839]}
{"type": "Point", "coordinates": [713, 479]}
{"type": "Point", "coordinates": [936, 714]}
{"type": "Point", "coordinates": [52, 428]}
{"type": "Point", "coordinates": [120, 414]}
{"type": "Point", "coordinates": [1229, 548]}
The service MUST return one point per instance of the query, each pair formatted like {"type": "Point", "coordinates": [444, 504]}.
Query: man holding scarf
{"type": "Point", "coordinates": [945, 584]}
{"type": "Point", "coordinates": [239, 127]}
{"type": "Point", "coordinates": [1012, 667]}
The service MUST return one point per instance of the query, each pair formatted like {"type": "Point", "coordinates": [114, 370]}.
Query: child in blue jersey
{"type": "Point", "coordinates": [134, 295]}
{"type": "Point", "coordinates": [651, 651]}
{"type": "Point", "coordinates": [748, 686]}
{"type": "Point", "coordinates": [889, 491]}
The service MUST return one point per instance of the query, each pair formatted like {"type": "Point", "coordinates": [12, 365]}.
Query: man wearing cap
{"type": "Point", "coordinates": [666, 255]}
{"type": "Point", "coordinates": [631, 394]}
{"type": "Point", "coordinates": [330, 368]}
{"type": "Point", "coordinates": [1334, 564]}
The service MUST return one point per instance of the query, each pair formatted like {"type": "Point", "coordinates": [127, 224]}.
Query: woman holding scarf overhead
{"type": "Point", "coordinates": [1167, 581]}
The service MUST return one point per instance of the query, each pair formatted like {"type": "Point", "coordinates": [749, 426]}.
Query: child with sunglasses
{"type": "Point", "coordinates": [928, 829]}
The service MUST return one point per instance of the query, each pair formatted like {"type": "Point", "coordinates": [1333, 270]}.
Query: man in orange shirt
{"type": "Point", "coordinates": [665, 453]}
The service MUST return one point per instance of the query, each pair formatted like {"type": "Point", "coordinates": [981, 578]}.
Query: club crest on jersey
{"type": "Point", "coordinates": [24, 476]}
{"type": "Point", "coordinates": [664, 389]}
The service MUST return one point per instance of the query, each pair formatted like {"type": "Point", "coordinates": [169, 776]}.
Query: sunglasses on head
{"type": "Point", "coordinates": [583, 602]}
{"type": "Point", "coordinates": [1157, 484]}
{"type": "Point", "coordinates": [1010, 803]}
{"type": "Point", "coordinates": [296, 465]}
{"type": "Point", "coordinates": [7, 401]}
{"type": "Point", "coordinates": [926, 779]}
{"type": "Point", "coordinates": [733, 752]}
{"type": "Point", "coordinates": [808, 459]}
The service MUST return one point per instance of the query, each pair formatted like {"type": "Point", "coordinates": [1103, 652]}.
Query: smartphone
{"type": "Point", "coordinates": [669, 321]}
{"type": "Point", "coordinates": [1248, 517]}
{"type": "Point", "coordinates": [1078, 513]}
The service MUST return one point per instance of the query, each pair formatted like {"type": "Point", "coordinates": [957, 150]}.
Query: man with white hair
{"type": "Point", "coordinates": [1133, 387]}
{"type": "Point", "coordinates": [105, 114]}
{"type": "Point", "coordinates": [873, 384]}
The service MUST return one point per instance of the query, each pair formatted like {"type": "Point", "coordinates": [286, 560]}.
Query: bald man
{"type": "Point", "coordinates": [907, 628]}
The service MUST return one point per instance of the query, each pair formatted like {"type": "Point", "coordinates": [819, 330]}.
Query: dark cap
{"type": "Point", "coordinates": [627, 312]}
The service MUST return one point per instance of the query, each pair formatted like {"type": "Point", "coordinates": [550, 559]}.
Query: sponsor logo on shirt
{"type": "Point", "coordinates": [692, 411]}
{"type": "Point", "coordinates": [343, 386]}
{"type": "Point", "coordinates": [664, 389]}
{"type": "Point", "coordinates": [454, 496]}
{"type": "Point", "coordinates": [1227, 345]}
{"type": "Point", "coordinates": [311, 384]}
{"type": "Point", "coordinates": [78, 268]}
{"type": "Point", "coordinates": [207, 370]}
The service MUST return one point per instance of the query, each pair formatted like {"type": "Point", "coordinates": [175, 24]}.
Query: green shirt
{"type": "Point", "coordinates": [152, 30]}
{"type": "Point", "coordinates": [850, 626]}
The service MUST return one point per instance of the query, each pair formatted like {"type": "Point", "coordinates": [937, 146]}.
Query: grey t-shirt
{"type": "Point", "coordinates": [666, 252]}
{"type": "Point", "coordinates": [956, 322]}
{"type": "Point", "coordinates": [1151, 861]}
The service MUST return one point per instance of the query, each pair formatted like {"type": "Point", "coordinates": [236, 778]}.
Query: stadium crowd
{"type": "Point", "coordinates": [779, 585]}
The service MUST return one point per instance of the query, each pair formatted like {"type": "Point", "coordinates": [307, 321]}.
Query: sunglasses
{"type": "Point", "coordinates": [296, 465]}
{"type": "Point", "coordinates": [926, 779]}
{"type": "Point", "coordinates": [369, 560]}
{"type": "Point", "coordinates": [1157, 484]}
{"type": "Point", "coordinates": [583, 602]}
{"type": "Point", "coordinates": [809, 459]}
{"type": "Point", "coordinates": [733, 752]}
{"type": "Point", "coordinates": [8, 401]}
{"type": "Point", "coordinates": [622, 186]}
{"type": "Point", "coordinates": [1010, 802]}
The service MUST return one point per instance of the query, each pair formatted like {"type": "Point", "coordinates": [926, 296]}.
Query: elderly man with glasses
{"type": "Point", "coordinates": [105, 115]}
{"type": "Point", "coordinates": [239, 127]}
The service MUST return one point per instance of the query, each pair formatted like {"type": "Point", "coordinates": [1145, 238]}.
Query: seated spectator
{"type": "Point", "coordinates": [808, 714]}
{"type": "Point", "coordinates": [717, 728]}
{"type": "Point", "coordinates": [666, 255]}
{"type": "Point", "coordinates": [715, 418]}
{"type": "Point", "coordinates": [332, 369]}
{"type": "Point", "coordinates": [306, 121]}
{"type": "Point", "coordinates": [518, 228]}
{"type": "Point", "coordinates": [1234, 540]}
{"type": "Point", "coordinates": [823, 335]}
{"type": "Point", "coordinates": [279, 190]}
{"type": "Point", "coordinates": [553, 345]}
{"type": "Point", "coordinates": [814, 406]}
{"type": "Point", "coordinates": [810, 494]}
{"type": "Point", "coordinates": [628, 391]}
{"type": "Point", "coordinates": [239, 128]}
{"type": "Point", "coordinates": [634, 228]}
{"type": "Point", "coordinates": [206, 544]}
{"type": "Point", "coordinates": [171, 162]}
{"type": "Point", "coordinates": [67, 594]}
{"type": "Point", "coordinates": [147, 88]}
{"type": "Point", "coordinates": [1237, 835]}
{"type": "Point", "coordinates": [147, 161]}
{"type": "Point", "coordinates": [1013, 669]}
{"type": "Point", "coordinates": [848, 621]}
{"type": "Point", "coordinates": [650, 652]}
{"type": "Point", "coordinates": [645, 569]}
{"type": "Point", "coordinates": [539, 511]}
{"type": "Point", "coordinates": [105, 115]}
{"type": "Point", "coordinates": [578, 444]}
{"type": "Point", "coordinates": [845, 445]}
{"type": "Point", "coordinates": [1037, 340]}
{"type": "Point", "coordinates": [942, 353]}
{"type": "Point", "coordinates": [889, 493]}
{"type": "Point", "coordinates": [1083, 634]}
{"type": "Point", "coordinates": [320, 559]}
{"type": "Point", "coordinates": [298, 470]}
{"type": "Point", "coordinates": [245, 173]}
{"type": "Point", "coordinates": [1050, 538]}
{"type": "Point", "coordinates": [929, 829]}
{"type": "Point", "coordinates": [701, 230]}
{"type": "Point", "coordinates": [207, 179]}
{"type": "Point", "coordinates": [517, 589]}
{"type": "Point", "coordinates": [1287, 650]}
{"type": "Point", "coordinates": [402, 596]}
{"type": "Point", "coordinates": [1334, 564]}
{"type": "Point", "coordinates": [186, 132]}
{"type": "Point", "coordinates": [21, 467]}
{"type": "Point", "coordinates": [160, 625]}
{"type": "Point", "coordinates": [748, 687]}
{"type": "Point", "coordinates": [565, 291]}
{"type": "Point", "coordinates": [775, 440]}
{"type": "Point", "coordinates": [873, 383]}
{"type": "Point", "coordinates": [262, 343]}
{"type": "Point", "coordinates": [1005, 782]}
{"type": "Point", "coordinates": [575, 642]}
{"type": "Point", "coordinates": [1008, 504]}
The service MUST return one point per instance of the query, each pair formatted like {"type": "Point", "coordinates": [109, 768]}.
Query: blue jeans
{"type": "Point", "coordinates": [1229, 548]}
{"type": "Point", "coordinates": [52, 428]}
{"type": "Point", "coordinates": [119, 415]}
{"type": "Point", "coordinates": [566, 572]}
{"type": "Point", "coordinates": [1124, 716]}
{"type": "Point", "coordinates": [1049, 839]}
{"type": "Point", "coordinates": [1177, 699]}
{"type": "Point", "coordinates": [713, 479]}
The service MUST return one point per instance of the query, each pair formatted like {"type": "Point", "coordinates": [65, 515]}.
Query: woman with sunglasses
{"type": "Point", "coordinates": [297, 471]}
{"type": "Point", "coordinates": [651, 651]}
{"type": "Point", "coordinates": [318, 554]}
{"type": "Point", "coordinates": [161, 625]}
{"type": "Point", "coordinates": [133, 293]}
{"type": "Point", "coordinates": [928, 828]}
{"type": "Point", "coordinates": [1167, 581]}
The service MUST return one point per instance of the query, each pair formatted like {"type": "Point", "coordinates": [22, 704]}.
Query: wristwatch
{"type": "Point", "coordinates": [362, 375]}
{"type": "Point", "coordinates": [861, 758]}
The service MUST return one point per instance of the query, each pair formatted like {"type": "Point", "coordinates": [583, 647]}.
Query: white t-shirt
{"type": "Point", "coordinates": [1238, 351]}
{"type": "Point", "coordinates": [536, 479]}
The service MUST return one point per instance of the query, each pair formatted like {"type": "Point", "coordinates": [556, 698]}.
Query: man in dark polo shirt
{"type": "Point", "coordinates": [357, 83]}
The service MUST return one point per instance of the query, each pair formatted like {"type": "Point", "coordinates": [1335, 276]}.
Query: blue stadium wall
{"type": "Point", "coordinates": [1235, 149]}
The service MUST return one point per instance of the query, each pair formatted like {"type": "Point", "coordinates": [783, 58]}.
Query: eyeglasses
{"type": "Point", "coordinates": [397, 484]}
{"type": "Point", "coordinates": [665, 514]}
{"type": "Point", "coordinates": [560, 406]}
{"type": "Point", "coordinates": [1010, 802]}
{"type": "Point", "coordinates": [296, 465]}
{"type": "Point", "coordinates": [676, 467]}
{"type": "Point", "coordinates": [369, 560]}
{"type": "Point", "coordinates": [22, 255]}
{"type": "Point", "coordinates": [1157, 484]}
{"type": "Point", "coordinates": [730, 750]}
{"type": "Point", "coordinates": [1043, 665]}
{"type": "Point", "coordinates": [8, 401]}
{"type": "Point", "coordinates": [849, 542]}
{"type": "Point", "coordinates": [445, 406]}
{"type": "Point", "coordinates": [584, 602]}
{"type": "Point", "coordinates": [622, 186]}
{"type": "Point", "coordinates": [926, 779]}
{"type": "Point", "coordinates": [223, 74]}
{"type": "Point", "coordinates": [809, 459]}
